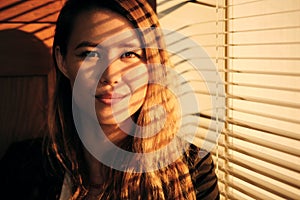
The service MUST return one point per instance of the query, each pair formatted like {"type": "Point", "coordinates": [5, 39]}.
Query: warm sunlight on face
{"type": "Point", "coordinates": [107, 52]}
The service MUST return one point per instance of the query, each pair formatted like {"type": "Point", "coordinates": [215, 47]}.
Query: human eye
{"type": "Point", "coordinates": [130, 54]}
{"type": "Point", "coordinates": [89, 54]}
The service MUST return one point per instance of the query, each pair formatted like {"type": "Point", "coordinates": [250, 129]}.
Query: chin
{"type": "Point", "coordinates": [108, 118]}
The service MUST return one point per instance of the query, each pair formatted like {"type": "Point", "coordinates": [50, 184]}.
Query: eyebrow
{"type": "Point", "coordinates": [128, 44]}
{"type": "Point", "coordinates": [86, 44]}
{"type": "Point", "coordinates": [132, 43]}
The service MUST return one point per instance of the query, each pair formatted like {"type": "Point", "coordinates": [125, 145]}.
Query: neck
{"type": "Point", "coordinates": [98, 172]}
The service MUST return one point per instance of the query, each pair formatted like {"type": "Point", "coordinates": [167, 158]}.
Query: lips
{"type": "Point", "coordinates": [109, 99]}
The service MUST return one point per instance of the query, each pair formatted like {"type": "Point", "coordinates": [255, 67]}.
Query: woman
{"type": "Point", "coordinates": [111, 66]}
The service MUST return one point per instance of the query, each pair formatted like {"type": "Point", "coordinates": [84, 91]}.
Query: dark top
{"type": "Point", "coordinates": [25, 173]}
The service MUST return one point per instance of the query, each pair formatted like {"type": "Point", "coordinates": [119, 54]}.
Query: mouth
{"type": "Point", "coordinates": [109, 99]}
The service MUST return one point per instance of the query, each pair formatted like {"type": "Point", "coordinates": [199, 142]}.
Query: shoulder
{"type": "Point", "coordinates": [202, 171]}
{"type": "Point", "coordinates": [25, 172]}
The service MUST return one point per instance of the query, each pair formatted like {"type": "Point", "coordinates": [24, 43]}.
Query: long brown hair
{"type": "Point", "coordinates": [170, 182]}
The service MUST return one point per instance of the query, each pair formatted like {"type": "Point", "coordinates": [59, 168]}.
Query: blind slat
{"type": "Point", "coordinates": [265, 128]}
{"type": "Point", "coordinates": [262, 170]}
{"type": "Point", "coordinates": [263, 184]}
{"type": "Point", "coordinates": [266, 143]}
{"type": "Point", "coordinates": [290, 165]}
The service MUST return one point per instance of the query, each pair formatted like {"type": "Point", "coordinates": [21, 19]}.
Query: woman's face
{"type": "Point", "coordinates": [106, 66]}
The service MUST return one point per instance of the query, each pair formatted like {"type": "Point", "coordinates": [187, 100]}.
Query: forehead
{"type": "Point", "coordinates": [99, 25]}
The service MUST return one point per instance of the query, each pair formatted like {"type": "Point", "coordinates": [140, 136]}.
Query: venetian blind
{"type": "Point", "coordinates": [255, 45]}
{"type": "Point", "coordinates": [262, 144]}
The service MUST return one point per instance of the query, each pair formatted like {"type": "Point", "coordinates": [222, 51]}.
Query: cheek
{"type": "Point", "coordinates": [138, 85]}
{"type": "Point", "coordinates": [83, 72]}
{"type": "Point", "coordinates": [137, 99]}
{"type": "Point", "coordinates": [134, 84]}
{"type": "Point", "coordinates": [136, 78]}
{"type": "Point", "coordinates": [83, 82]}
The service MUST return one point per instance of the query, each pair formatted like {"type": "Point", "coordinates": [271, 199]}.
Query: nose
{"type": "Point", "coordinates": [112, 75]}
